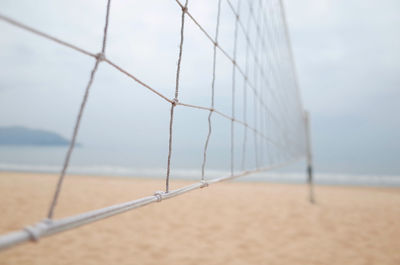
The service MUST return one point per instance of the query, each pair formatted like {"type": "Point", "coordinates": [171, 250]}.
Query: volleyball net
{"type": "Point", "coordinates": [264, 100]}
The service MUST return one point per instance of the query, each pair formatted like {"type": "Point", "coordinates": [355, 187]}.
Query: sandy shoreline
{"type": "Point", "coordinates": [227, 223]}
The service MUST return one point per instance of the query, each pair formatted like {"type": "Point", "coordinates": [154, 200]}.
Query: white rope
{"type": "Point", "coordinates": [234, 91]}
{"type": "Point", "coordinates": [99, 58]}
{"type": "Point", "coordinates": [203, 165]}
{"type": "Point", "coordinates": [175, 100]}
{"type": "Point", "coordinates": [44, 35]}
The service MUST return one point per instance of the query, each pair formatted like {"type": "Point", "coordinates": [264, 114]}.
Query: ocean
{"type": "Point", "coordinates": [127, 163]}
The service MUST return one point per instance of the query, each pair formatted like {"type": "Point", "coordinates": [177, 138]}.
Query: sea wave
{"type": "Point", "coordinates": [194, 174]}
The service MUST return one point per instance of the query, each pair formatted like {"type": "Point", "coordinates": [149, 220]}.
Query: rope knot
{"type": "Point", "coordinates": [184, 9]}
{"type": "Point", "coordinates": [158, 195]}
{"type": "Point", "coordinates": [215, 43]}
{"type": "Point", "coordinates": [175, 101]}
{"type": "Point", "coordinates": [37, 230]}
{"type": "Point", "coordinates": [234, 62]}
{"type": "Point", "coordinates": [100, 56]}
{"type": "Point", "coordinates": [237, 17]}
{"type": "Point", "coordinates": [212, 109]}
{"type": "Point", "coordinates": [204, 184]}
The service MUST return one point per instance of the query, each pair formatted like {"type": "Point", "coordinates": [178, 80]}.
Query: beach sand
{"type": "Point", "coordinates": [226, 223]}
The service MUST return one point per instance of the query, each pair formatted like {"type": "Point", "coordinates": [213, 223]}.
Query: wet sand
{"type": "Point", "coordinates": [226, 223]}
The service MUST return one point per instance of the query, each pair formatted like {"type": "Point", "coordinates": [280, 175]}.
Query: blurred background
{"type": "Point", "coordinates": [346, 54]}
{"type": "Point", "coordinates": [348, 64]}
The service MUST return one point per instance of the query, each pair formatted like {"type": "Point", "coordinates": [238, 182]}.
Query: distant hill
{"type": "Point", "coordinates": [21, 136]}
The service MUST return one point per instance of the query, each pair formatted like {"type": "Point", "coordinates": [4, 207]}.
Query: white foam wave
{"type": "Point", "coordinates": [182, 173]}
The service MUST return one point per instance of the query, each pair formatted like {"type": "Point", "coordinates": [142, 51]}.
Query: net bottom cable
{"type": "Point", "coordinates": [49, 227]}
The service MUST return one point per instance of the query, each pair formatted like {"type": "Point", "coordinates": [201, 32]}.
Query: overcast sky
{"type": "Point", "coordinates": [346, 55]}
{"type": "Point", "coordinates": [348, 61]}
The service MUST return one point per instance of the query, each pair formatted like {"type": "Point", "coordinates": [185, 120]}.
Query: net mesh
{"type": "Point", "coordinates": [264, 112]}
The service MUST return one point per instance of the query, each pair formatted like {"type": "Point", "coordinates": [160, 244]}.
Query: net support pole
{"type": "Point", "coordinates": [310, 179]}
